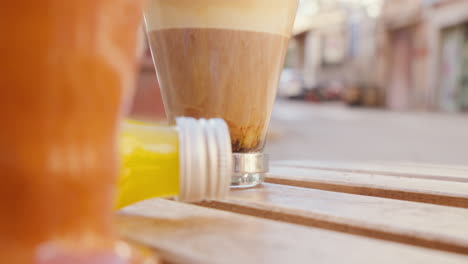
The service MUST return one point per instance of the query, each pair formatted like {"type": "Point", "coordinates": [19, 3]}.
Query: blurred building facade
{"type": "Point", "coordinates": [413, 55]}
{"type": "Point", "coordinates": [336, 46]}
{"type": "Point", "coordinates": [422, 54]}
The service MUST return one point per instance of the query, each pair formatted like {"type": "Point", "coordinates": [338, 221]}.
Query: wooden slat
{"type": "Point", "coordinates": [191, 234]}
{"type": "Point", "coordinates": [427, 225]}
{"type": "Point", "coordinates": [452, 191]}
{"type": "Point", "coordinates": [410, 170]}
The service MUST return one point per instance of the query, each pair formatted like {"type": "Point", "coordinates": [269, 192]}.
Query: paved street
{"type": "Point", "coordinates": [335, 132]}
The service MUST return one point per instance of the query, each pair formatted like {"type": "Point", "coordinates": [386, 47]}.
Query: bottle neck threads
{"type": "Point", "coordinates": [205, 157]}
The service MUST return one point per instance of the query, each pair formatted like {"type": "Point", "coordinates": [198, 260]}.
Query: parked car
{"type": "Point", "coordinates": [362, 95]}
{"type": "Point", "coordinates": [291, 83]}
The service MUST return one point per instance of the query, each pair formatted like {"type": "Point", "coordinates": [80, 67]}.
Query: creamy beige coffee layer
{"type": "Point", "coordinates": [270, 16]}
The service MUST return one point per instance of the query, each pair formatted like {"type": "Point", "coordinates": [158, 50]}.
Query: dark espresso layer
{"type": "Point", "coordinates": [231, 74]}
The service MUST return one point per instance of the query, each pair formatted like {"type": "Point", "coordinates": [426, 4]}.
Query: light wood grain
{"type": "Point", "coordinates": [449, 190]}
{"type": "Point", "coordinates": [427, 225]}
{"type": "Point", "coordinates": [191, 234]}
{"type": "Point", "coordinates": [400, 169]}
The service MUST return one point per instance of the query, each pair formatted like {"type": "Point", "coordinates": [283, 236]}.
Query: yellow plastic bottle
{"type": "Point", "coordinates": [191, 161]}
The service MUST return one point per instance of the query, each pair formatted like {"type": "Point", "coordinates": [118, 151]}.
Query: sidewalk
{"type": "Point", "coordinates": [335, 132]}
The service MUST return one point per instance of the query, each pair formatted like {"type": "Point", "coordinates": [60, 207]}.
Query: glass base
{"type": "Point", "coordinates": [247, 180]}
{"type": "Point", "coordinates": [248, 169]}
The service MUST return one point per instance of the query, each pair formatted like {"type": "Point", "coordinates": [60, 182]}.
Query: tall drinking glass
{"type": "Point", "coordinates": [65, 69]}
{"type": "Point", "coordinates": [223, 59]}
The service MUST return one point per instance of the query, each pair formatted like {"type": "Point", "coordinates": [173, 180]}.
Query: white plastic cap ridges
{"type": "Point", "coordinates": [205, 159]}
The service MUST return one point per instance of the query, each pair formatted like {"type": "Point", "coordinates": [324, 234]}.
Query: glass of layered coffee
{"type": "Point", "coordinates": [223, 59]}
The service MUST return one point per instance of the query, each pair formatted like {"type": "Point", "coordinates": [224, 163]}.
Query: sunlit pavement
{"type": "Point", "coordinates": [335, 132]}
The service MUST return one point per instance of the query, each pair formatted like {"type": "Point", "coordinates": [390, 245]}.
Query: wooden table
{"type": "Point", "coordinates": [317, 212]}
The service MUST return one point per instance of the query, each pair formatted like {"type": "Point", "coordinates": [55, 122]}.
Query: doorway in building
{"type": "Point", "coordinates": [400, 73]}
{"type": "Point", "coordinates": [453, 85]}
{"type": "Point", "coordinates": [463, 98]}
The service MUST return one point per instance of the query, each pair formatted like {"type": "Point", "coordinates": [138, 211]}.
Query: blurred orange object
{"type": "Point", "coordinates": [65, 68]}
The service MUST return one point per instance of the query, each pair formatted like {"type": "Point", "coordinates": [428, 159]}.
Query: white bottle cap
{"type": "Point", "coordinates": [205, 159]}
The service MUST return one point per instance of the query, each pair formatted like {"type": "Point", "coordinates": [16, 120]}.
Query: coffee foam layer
{"type": "Point", "coordinates": [270, 16]}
